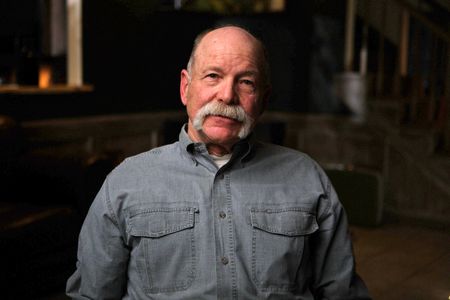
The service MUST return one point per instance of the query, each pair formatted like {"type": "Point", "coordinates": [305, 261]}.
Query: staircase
{"type": "Point", "coordinates": [408, 76]}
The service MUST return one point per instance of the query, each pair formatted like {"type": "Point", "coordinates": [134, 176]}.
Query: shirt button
{"type": "Point", "coordinates": [222, 215]}
{"type": "Point", "coordinates": [224, 260]}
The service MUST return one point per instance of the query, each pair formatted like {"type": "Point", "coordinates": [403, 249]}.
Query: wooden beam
{"type": "Point", "coordinates": [446, 104]}
{"type": "Point", "coordinates": [74, 43]}
{"type": "Point", "coordinates": [380, 71]}
{"type": "Point", "coordinates": [404, 43]}
{"type": "Point", "coordinates": [349, 36]}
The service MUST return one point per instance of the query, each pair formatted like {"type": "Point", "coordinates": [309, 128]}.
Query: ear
{"type": "Point", "coordinates": [184, 86]}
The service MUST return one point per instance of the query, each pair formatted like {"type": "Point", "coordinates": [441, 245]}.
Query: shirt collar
{"type": "Point", "coordinates": [184, 139]}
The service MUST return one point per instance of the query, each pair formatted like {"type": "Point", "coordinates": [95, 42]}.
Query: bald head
{"type": "Point", "coordinates": [235, 38]}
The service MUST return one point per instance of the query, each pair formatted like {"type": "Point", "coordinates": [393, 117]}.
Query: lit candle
{"type": "Point", "coordinates": [45, 76]}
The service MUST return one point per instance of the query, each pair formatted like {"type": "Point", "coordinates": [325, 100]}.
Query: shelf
{"type": "Point", "coordinates": [54, 89]}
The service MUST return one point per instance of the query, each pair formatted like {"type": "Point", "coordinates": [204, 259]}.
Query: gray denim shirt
{"type": "Point", "coordinates": [168, 224]}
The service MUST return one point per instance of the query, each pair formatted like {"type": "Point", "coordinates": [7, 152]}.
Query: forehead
{"type": "Point", "coordinates": [228, 43]}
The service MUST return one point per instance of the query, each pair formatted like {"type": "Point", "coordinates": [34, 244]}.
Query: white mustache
{"type": "Point", "coordinates": [217, 108]}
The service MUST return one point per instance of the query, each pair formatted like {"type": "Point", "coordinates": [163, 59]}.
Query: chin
{"type": "Point", "coordinates": [221, 135]}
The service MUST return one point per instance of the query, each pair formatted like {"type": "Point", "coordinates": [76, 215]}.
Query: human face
{"type": "Point", "coordinates": [226, 73]}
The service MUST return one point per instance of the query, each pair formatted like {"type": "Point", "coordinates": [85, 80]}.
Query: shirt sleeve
{"type": "Point", "coordinates": [334, 275]}
{"type": "Point", "coordinates": [102, 256]}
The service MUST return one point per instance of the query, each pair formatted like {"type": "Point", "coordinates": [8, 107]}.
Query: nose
{"type": "Point", "coordinates": [227, 92]}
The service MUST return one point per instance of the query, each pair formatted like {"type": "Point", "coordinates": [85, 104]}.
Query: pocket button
{"type": "Point", "coordinates": [224, 260]}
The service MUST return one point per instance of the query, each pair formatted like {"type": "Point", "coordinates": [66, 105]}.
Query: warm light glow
{"type": "Point", "coordinates": [277, 5]}
{"type": "Point", "coordinates": [45, 76]}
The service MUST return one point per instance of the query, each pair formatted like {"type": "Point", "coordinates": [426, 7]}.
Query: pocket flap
{"type": "Point", "coordinates": [160, 221]}
{"type": "Point", "coordinates": [290, 221]}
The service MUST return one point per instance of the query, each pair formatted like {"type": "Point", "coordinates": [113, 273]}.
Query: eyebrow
{"type": "Point", "coordinates": [220, 70]}
{"type": "Point", "coordinates": [249, 73]}
{"type": "Point", "coordinates": [212, 68]}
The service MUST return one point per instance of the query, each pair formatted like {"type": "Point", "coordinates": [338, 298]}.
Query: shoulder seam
{"type": "Point", "coordinates": [114, 218]}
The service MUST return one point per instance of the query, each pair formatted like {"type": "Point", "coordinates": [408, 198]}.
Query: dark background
{"type": "Point", "coordinates": [133, 52]}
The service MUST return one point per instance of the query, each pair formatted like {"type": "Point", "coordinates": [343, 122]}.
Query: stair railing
{"type": "Point", "coordinates": [421, 80]}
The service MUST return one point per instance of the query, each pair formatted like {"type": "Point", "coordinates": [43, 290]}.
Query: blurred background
{"type": "Point", "coordinates": [363, 86]}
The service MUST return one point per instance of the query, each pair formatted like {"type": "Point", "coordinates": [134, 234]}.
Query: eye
{"type": "Point", "coordinates": [212, 75]}
{"type": "Point", "coordinates": [247, 85]}
{"type": "Point", "coordinates": [247, 82]}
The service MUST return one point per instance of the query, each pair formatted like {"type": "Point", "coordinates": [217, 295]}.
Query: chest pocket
{"type": "Point", "coordinates": [278, 242]}
{"type": "Point", "coordinates": [164, 246]}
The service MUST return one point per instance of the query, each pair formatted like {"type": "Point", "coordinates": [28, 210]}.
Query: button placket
{"type": "Point", "coordinates": [223, 227]}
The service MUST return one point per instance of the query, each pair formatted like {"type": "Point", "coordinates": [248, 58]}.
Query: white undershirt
{"type": "Point", "coordinates": [221, 160]}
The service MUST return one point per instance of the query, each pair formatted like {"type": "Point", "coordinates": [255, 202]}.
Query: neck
{"type": "Point", "coordinates": [214, 148]}
{"type": "Point", "coordinates": [218, 150]}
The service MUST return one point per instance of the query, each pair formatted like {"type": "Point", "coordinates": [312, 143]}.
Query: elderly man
{"type": "Point", "coordinates": [217, 215]}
